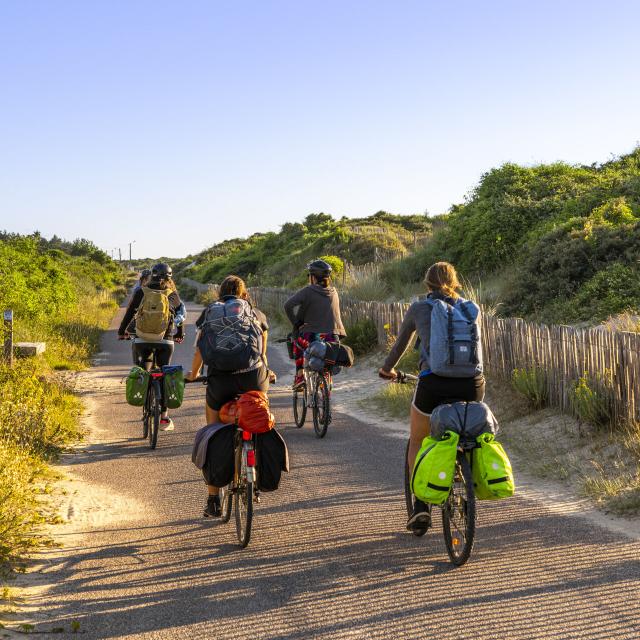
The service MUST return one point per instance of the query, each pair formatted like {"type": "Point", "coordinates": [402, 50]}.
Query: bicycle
{"type": "Point", "coordinates": [243, 490]}
{"type": "Point", "coordinates": [314, 392]}
{"type": "Point", "coordinates": [459, 509]}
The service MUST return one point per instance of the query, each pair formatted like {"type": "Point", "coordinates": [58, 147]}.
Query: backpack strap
{"type": "Point", "coordinates": [464, 309]}
{"type": "Point", "coordinates": [450, 334]}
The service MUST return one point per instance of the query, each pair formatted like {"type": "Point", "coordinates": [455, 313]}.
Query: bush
{"type": "Point", "coordinates": [362, 336]}
{"type": "Point", "coordinates": [532, 384]}
{"type": "Point", "coordinates": [591, 402]}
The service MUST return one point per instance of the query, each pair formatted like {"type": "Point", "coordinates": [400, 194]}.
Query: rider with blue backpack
{"type": "Point", "coordinates": [450, 360]}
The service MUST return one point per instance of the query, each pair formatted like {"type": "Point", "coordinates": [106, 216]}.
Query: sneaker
{"type": "Point", "coordinates": [420, 519]}
{"type": "Point", "coordinates": [213, 508]}
{"type": "Point", "coordinates": [298, 382]}
{"type": "Point", "coordinates": [166, 424]}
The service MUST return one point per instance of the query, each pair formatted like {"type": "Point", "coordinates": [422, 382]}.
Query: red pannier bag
{"type": "Point", "coordinates": [253, 412]}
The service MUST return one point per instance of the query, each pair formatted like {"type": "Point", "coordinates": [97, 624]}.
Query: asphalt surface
{"type": "Point", "coordinates": [329, 556]}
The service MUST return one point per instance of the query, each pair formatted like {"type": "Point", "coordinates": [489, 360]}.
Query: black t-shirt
{"type": "Point", "coordinates": [262, 319]}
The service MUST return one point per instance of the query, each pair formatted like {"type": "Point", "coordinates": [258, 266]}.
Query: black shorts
{"type": "Point", "coordinates": [433, 390]}
{"type": "Point", "coordinates": [224, 387]}
{"type": "Point", "coordinates": [143, 353]}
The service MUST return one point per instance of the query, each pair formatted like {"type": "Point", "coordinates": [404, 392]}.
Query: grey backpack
{"type": "Point", "coordinates": [468, 419]}
{"type": "Point", "coordinates": [455, 350]}
{"type": "Point", "coordinates": [231, 337]}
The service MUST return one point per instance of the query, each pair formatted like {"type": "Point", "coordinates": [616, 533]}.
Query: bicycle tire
{"type": "Point", "coordinates": [408, 496]}
{"type": "Point", "coordinates": [146, 417]}
{"type": "Point", "coordinates": [300, 406]}
{"type": "Point", "coordinates": [226, 502]}
{"type": "Point", "coordinates": [459, 514]}
{"type": "Point", "coordinates": [243, 501]}
{"type": "Point", "coordinates": [321, 406]}
{"type": "Point", "coordinates": [154, 406]}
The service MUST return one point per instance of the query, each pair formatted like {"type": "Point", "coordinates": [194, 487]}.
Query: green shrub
{"type": "Point", "coordinates": [362, 336]}
{"type": "Point", "coordinates": [392, 399]}
{"type": "Point", "coordinates": [532, 384]}
{"type": "Point", "coordinates": [591, 402]}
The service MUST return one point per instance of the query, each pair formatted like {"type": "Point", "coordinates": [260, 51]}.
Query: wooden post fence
{"type": "Point", "coordinates": [8, 337]}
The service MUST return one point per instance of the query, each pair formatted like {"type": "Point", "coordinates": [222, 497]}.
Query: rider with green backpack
{"type": "Point", "coordinates": [450, 360]}
{"type": "Point", "coordinates": [154, 307]}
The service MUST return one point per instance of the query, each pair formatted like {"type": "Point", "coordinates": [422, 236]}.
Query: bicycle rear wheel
{"type": "Point", "coordinates": [321, 406]}
{"type": "Point", "coordinates": [243, 502]}
{"type": "Point", "coordinates": [146, 416]}
{"type": "Point", "coordinates": [459, 514]}
{"type": "Point", "coordinates": [154, 413]}
{"type": "Point", "coordinates": [226, 502]}
{"type": "Point", "coordinates": [300, 406]}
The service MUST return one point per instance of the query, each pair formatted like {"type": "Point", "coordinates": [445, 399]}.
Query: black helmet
{"type": "Point", "coordinates": [319, 269]}
{"type": "Point", "coordinates": [145, 273]}
{"type": "Point", "coordinates": [161, 271]}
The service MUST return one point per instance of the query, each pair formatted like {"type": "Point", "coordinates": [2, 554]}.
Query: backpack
{"type": "Point", "coordinates": [154, 314]}
{"type": "Point", "coordinates": [230, 337]}
{"type": "Point", "coordinates": [272, 459]}
{"type": "Point", "coordinates": [435, 465]}
{"type": "Point", "coordinates": [137, 385]}
{"type": "Point", "coordinates": [219, 463]}
{"type": "Point", "coordinates": [467, 419]}
{"type": "Point", "coordinates": [491, 470]}
{"type": "Point", "coordinates": [455, 350]}
{"type": "Point", "coordinates": [173, 385]}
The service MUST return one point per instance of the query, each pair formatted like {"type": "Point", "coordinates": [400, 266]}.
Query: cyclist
{"type": "Point", "coordinates": [223, 387]}
{"type": "Point", "coordinates": [314, 312]}
{"type": "Point", "coordinates": [145, 347]}
{"type": "Point", "coordinates": [432, 390]}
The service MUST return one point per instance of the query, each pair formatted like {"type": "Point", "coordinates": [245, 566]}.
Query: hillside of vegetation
{"type": "Point", "coordinates": [562, 241]}
{"type": "Point", "coordinates": [279, 258]}
{"type": "Point", "coordinates": [64, 294]}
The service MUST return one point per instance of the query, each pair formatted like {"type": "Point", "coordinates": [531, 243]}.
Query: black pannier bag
{"type": "Point", "coordinates": [272, 459]}
{"type": "Point", "coordinates": [467, 419]}
{"type": "Point", "coordinates": [339, 354]}
{"type": "Point", "coordinates": [290, 341]}
{"type": "Point", "coordinates": [218, 466]}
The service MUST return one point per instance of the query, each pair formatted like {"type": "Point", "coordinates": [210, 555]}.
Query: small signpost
{"type": "Point", "coordinates": [8, 337]}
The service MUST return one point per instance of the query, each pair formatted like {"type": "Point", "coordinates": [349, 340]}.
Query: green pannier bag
{"type": "Point", "coordinates": [491, 470]}
{"type": "Point", "coordinates": [137, 385]}
{"type": "Point", "coordinates": [434, 468]}
{"type": "Point", "coordinates": [173, 385]}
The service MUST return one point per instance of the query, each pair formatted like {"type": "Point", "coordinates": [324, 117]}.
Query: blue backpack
{"type": "Point", "coordinates": [455, 350]}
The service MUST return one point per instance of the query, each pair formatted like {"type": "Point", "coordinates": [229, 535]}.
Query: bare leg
{"type": "Point", "coordinates": [420, 427]}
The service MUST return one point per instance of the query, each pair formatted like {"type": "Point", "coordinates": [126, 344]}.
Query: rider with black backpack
{"type": "Point", "coordinates": [232, 342]}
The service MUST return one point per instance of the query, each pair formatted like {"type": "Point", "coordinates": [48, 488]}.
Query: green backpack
{"type": "Point", "coordinates": [173, 386]}
{"type": "Point", "coordinates": [434, 468]}
{"type": "Point", "coordinates": [137, 384]}
{"type": "Point", "coordinates": [491, 469]}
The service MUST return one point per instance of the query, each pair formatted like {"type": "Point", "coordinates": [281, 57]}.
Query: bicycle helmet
{"type": "Point", "coordinates": [145, 273]}
{"type": "Point", "coordinates": [319, 269]}
{"type": "Point", "coordinates": [161, 271]}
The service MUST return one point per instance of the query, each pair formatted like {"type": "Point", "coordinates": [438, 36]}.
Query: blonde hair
{"type": "Point", "coordinates": [442, 277]}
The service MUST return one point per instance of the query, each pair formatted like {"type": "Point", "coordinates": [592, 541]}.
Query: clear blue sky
{"type": "Point", "coordinates": [179, 124]}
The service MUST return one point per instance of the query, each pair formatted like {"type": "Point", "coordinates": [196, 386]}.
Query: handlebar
{"type": "Point", "coordinates": [202, 379]}
{"type": "Point", "coordinates": [401, 377]}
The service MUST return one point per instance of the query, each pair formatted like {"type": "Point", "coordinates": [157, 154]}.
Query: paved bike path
{"type": "Point", "coordinates": [329, 556]}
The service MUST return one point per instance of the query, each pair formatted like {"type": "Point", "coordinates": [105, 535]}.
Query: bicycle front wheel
{"type": "Point", "coordinates": [459, 514]}
{"type": "Point", "coordinates": [300, 406]}
{"type": "Point", "coordinates": [154, 414]}
{"type": "Point", "coordinates": [321, 406]}
{"type": "Point", "coordinates": [226, 502]}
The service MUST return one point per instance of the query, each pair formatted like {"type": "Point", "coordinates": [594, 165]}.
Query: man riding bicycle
{"type": "Point", "coordinates": [314, 312]}
{"type": "Point", "coordinates": [158, 310]}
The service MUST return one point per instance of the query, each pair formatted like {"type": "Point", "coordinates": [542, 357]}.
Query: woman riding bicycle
{"type": "Point", "coordinates": [144, 347]}
{"type": "Point", "coordinates": [432, 390]}
{"type": "Point", "coordinates": [314, 312]}
{"type": "Point", "coordinates": [223, 387]}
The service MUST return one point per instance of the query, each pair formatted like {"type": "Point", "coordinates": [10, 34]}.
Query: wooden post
{"type": "Point", "coordinates": [8, 337]}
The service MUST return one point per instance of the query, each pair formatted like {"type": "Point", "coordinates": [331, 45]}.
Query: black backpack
{"type": "Point", "coordinates": [230, 337]}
